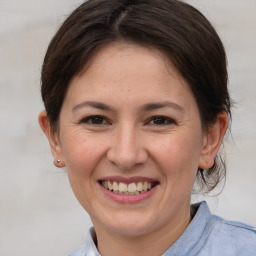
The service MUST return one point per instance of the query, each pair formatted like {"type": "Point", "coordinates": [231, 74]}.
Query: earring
{"type": "Point", "coordinates": [58, 163]}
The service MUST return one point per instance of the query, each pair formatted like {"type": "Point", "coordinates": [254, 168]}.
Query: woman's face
{"type": "Point", "coordinates": [130, 123]}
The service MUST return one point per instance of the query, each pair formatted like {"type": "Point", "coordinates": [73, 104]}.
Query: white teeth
{"type": "Point", "coordinates": [127, 189]}
{"type": "Point", "coordinates": [139, 186]}
{"type": "Point", "coordinates": [115, 186]}
{"type": "Point", "coordinates": [109, 185]}
{"type": "Point", "coordinates": [123, 187]}
{"type": "Point", "coordinates": [145, 186]}
{"type": "Point", "coordinates": [132, 187]}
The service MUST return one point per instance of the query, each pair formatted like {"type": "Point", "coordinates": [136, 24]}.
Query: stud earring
{"type": "Point", "coordinates": [58, 161]}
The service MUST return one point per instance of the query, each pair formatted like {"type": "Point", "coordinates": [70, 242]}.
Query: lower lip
{"type": "Point", "coordinates": [126, 199]}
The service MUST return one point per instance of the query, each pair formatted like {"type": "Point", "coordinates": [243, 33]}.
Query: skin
{"type": "Point", "coordinates": [129, 141]}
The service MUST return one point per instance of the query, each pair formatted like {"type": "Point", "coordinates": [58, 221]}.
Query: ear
{"type": "Point", "coordinates": [52, 138]}
{"type": "Point", "coordinates": [212, 141]}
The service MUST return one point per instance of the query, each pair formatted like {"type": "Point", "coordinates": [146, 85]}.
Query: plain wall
{"type": "Point", "coordinates": [39, 214]}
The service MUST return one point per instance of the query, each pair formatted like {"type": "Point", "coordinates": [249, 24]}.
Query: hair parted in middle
{"type": "Point", "coordinates": [174, 27]}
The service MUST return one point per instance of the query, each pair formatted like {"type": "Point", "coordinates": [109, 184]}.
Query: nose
{"type": "Point", "coordinates": [126, 150]}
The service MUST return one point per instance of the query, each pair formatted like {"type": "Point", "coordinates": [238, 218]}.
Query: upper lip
{"type": "Point", "coordinates": [128, 180]}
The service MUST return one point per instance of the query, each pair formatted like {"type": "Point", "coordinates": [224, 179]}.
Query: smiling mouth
{"type": "Point", "coordinates": [133, 188]}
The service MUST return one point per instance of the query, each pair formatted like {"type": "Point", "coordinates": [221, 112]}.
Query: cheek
{"type": "Point", "coordinates": [177, 155]}
{"type": "Point", "coordinates": [81, 156]}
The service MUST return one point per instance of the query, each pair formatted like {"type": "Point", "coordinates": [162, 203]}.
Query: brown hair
{"type": "Point", "coordinates": [183, 34]}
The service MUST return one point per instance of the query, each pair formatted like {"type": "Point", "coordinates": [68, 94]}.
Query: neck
{"type": "Point", "coordinates": [154, 243]}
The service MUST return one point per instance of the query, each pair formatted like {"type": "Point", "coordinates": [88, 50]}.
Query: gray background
{"type": "Point", "coordinates": [38, 212]}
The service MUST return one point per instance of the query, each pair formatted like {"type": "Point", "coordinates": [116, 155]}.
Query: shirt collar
{"type": "Point", "coordinates": [90, 243]}
{"type": "Point", "coordinates": [193, 233]}
{"type": "Point", "coordinates": [190, 238]}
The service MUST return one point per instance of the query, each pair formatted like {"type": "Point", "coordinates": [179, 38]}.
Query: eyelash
{"type": "Point", "coordinates": [100, 120]}
{"type": "Point", "coordinates": [161, 120]}
{"type": "Point", "coordinates": [154, 120]}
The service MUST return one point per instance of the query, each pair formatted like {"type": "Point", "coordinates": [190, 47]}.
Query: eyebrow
{"type": "Point", "coordinates": [93, 104]}
{"type": "Point", "coordinates": [146, 107]}
{"type": "Point", "coordinates": [158, 105]}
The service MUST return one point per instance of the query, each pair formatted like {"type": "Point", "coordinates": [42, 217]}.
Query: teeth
{"type": "Point", "coordinates": [132, 187]}
{"type": "Point", "coordinates": [139, 186]}
{"type": "Point", "coordinates": [127, 189]}
{"type": "Point", "coordinates": [145, 186]}
{"type": "Point", "coordinates": [123, 187]}
{"type": "Point", "coordinates": [115, 186]}
{"type": "Point", "coordinates": [104, 183]}
{"type": "Point", "coordinates": [109, 185]}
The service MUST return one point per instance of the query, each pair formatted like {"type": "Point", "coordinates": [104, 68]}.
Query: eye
{"type": "Point", "coordinates": [95, 120]}
{"type": "Point", "coordinates": [160, 120]}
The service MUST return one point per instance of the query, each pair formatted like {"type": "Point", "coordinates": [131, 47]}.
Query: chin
{"type": "Point", "coordinates": [132, 225]}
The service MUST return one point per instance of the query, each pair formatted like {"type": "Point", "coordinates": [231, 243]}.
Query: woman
{"type": "Point", "coordinates": [137, 106]}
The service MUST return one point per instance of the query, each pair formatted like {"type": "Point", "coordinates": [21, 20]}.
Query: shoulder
{"type": "Point", "coordinates": [237, 231]}
{"type": "Point", "coordinates": [217, 236]}
{"type": "Point", "coordinates": [233, 238]}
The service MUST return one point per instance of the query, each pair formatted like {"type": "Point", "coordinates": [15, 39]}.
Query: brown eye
{"type": "Point", "coordinates": [160, 120]}
{"type": "Point", "coordinates": [95, 120]}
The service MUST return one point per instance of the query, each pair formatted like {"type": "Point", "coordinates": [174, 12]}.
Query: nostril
{"type": "Point", "coordinates": [125, 159]}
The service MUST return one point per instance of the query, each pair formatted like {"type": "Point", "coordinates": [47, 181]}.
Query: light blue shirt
{"type": "Point", "coordinates": [206, 235]}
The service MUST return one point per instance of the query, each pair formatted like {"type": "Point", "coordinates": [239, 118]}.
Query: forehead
{"type": "Point", "coordinates": [119, 58]}
{"type": "Point", "coordinates": [129, 71]}
{"type": "Point", "coordinates": [131, 53]}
